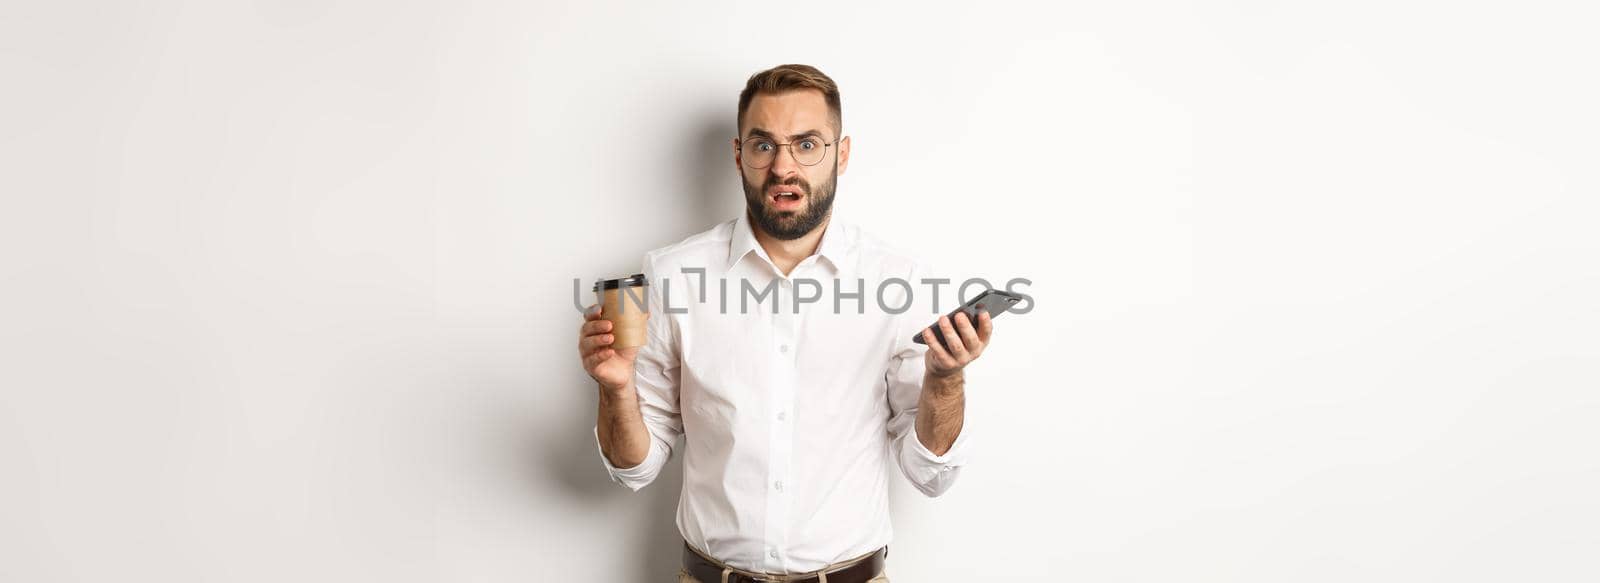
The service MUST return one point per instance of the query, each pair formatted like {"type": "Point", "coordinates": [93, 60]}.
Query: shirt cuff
{"type": "Point", "coordinates": [933, 474]}
{"type": "Point", "coordinates": [955, 457]}
{"type": "Point", "coordinates": [635, 477]}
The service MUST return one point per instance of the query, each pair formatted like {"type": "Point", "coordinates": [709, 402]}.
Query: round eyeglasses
{"type": "Point", "coordinates": [759, 153]}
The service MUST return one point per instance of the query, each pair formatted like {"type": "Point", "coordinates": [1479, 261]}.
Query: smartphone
{"type": "Point", "coordinates": [993, 301]}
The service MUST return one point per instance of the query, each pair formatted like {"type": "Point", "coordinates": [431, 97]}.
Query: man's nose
{"type": "Point", "coordinates": [784, 164]}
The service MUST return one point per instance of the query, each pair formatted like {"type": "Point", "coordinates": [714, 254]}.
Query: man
{"type": "Point", "coordinates": [792, 408]}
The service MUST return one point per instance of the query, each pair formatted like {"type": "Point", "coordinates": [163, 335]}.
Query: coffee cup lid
{"type": "Point", "coordinates": [634, 280]}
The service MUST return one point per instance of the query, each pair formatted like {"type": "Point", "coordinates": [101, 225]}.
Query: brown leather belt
{"type": "Point", "coordinates": [707, 571]}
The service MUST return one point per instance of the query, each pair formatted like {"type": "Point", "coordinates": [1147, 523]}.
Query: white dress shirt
{"type": "Point", "coordinates": [790, 419]}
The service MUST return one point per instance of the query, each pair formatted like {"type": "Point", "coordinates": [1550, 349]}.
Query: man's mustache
{"type": "Point", "coordinates": [791, 182]}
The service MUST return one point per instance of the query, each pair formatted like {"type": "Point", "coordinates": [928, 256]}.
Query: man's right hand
{"type": "Point", "coordinates": [611, 367]}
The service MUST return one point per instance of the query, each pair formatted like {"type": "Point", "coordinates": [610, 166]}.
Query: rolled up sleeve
{"type": "Point", "coordinates": [641, 475]}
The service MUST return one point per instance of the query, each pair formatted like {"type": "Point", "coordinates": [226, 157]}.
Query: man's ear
{"type": "Point", "coordinates": [736, 162]}
{"type": "Point", "coordinates": [844, 154]}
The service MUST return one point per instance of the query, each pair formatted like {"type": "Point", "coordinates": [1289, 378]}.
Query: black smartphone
{"type": "Point", "coordinates": [993, 301]}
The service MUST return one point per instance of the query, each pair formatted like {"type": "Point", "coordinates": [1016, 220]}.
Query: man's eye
{"type": "Point", "coordinates": [809, 144]}
{"type": "Point", "coordinates": [763, 146]}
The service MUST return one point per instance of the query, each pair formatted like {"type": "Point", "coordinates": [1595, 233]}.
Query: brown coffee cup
{"type": "Point", "coordinates": [625, 302]}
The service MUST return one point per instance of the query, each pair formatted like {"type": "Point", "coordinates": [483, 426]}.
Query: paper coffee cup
{"type": "Point", "coordinates": [624, 302]}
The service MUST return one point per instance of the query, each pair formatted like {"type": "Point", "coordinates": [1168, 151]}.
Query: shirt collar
{"type": "Point", "coordinates": [834, 246]}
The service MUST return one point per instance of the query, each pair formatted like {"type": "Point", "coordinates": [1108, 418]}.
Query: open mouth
{"type": "Point", "coordinates": [782, 194]}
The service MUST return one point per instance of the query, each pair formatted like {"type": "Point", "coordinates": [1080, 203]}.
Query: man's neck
{"type": "Point", "coordinates": [787, 254]}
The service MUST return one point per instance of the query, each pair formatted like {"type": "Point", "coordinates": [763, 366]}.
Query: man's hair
{"type": "Point", "coordinates": [784, 78]}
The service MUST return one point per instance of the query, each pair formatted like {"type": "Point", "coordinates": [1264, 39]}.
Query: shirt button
{"type": "Point", "coordinates": [773, 553]}
{"type": "Point", "coordinates": [782, 416]}
{"type": "Point", "coordinates": [778, 485]}
{"type": "Point", "coordinates": [783, 348]}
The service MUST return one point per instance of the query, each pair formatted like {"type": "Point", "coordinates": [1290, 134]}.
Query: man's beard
{"type": "Point", "coordinates": [790, 225]}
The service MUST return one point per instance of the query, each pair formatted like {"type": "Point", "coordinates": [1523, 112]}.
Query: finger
{"type": "Point", "coordinates": [594, 360]}
{"type": "Point", "coordinates": [588, 346]}
{"type": "Point", "coordinates": [969, 336]}
{"type": "Point", "coordinates": [935, 349]}
{"type": "Point", "coordinates": [591, 343]}
{"type": "Point", "coordinates": [985, 327]}
{"type": "Point", "coordinates": [593, 327]}
{"type": "Point", "coordinates": [954, 340]}
{"type": "Point", "coordinates": [592, 312]}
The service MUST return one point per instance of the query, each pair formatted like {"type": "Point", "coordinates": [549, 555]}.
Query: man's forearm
{"type": "Point", "coordinates": [941, 410]}
{"type": "Point", "coordinates": [623, 437]}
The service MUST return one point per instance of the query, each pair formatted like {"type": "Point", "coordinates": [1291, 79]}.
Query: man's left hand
{"type": "Point", "coordinates": [965, 343]}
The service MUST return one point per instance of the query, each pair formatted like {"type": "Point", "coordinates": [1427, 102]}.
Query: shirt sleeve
{"type": "Point", "coordinates": [931, 474]}
{"type": "Point", "coordinates": [656, 379]}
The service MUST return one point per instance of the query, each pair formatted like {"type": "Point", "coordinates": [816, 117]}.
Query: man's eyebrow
{"type": "Point", "coordinates": [758, 132]}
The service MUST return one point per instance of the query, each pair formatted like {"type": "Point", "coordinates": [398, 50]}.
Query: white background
{"type": "Point", "coordinates": [287, 285]}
